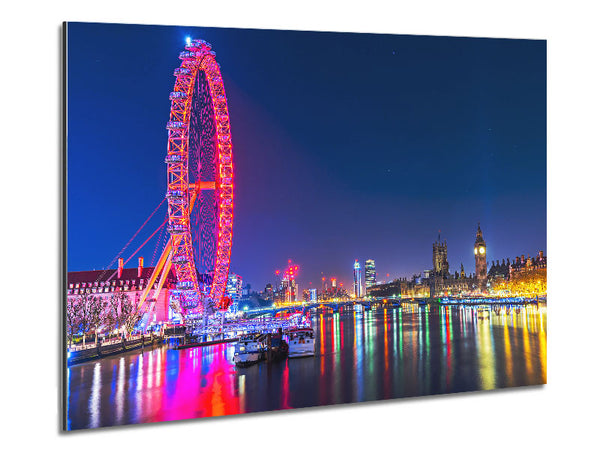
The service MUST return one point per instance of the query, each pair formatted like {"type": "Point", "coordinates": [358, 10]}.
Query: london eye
{"type": "Point", "coordinates": [199, 182]}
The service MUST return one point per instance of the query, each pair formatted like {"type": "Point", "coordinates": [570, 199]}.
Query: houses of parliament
{"type": "Point", "coordinates": [439, 282]}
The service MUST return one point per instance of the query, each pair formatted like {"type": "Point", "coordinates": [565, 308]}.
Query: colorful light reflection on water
{"type": "Point", "coordinates": [361, 356]}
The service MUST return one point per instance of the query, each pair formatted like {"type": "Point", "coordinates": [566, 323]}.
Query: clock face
{"type": "Point", "coordinates": [475, 250]}
{"type": "Point", "coordinates": [481, 250]}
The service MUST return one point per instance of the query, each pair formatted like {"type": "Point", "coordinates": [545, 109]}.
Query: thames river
{"type": "Point", "coordinates": [387, 352]}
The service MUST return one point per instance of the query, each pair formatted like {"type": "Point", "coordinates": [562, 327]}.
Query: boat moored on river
{"type": "Point", "coordinates": [301, 342]}
{"type": "Point", "coordinates": [249, 349]}
{"type": "Point", "coordinates": [277, 347]}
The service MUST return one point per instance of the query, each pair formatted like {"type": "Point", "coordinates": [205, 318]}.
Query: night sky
{"type": "Point", "coordinates": [346, 146]}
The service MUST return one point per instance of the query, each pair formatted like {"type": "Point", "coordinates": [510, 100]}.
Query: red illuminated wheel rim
{"type": "Point", "coordinates": [199, 181]}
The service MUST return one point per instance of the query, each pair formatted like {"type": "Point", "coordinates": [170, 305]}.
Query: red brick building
{"type": "Point", "coordinates": [131, 281]}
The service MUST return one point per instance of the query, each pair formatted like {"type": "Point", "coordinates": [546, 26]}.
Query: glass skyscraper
{"type": "Point", "coordinates": [370, 274]}
{"type": "Point", "coordinates": [357, 280]}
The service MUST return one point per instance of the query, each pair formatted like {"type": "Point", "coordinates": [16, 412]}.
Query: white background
{"type": "Point", "coordinates": [563, 414]}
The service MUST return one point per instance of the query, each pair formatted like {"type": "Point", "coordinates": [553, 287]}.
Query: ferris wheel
{"type": "Point", "coordinates": [199, 181]}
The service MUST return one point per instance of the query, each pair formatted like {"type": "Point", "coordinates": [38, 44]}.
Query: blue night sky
{"type": "Point", "coordinates": [346, 146]}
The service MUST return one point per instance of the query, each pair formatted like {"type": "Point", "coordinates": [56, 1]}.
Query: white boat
{"type": "Point", "coordinates": [301, 342]}
{"type": "Point", "coordinates": [248, 350]}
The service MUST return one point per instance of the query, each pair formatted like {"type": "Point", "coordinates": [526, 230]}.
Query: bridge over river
{"type": "Point", "coordinates": [367, 302]}
{"type": "Point", "coordinates": [334, 305]}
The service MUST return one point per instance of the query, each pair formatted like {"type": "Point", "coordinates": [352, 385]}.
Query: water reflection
{"type": "Point", "coordinates": [383, 353]}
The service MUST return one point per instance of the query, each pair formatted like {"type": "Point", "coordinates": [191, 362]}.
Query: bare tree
{"type": "Point", "coordinates": [89, 313]}
{"type": "Point", "coordinates": [73, 317]}
{"type": "Point", "coordinates": [97, 313]}
{"type": "Point", "coordinates": [130, 316]}
{"type": "Point", "coordinates": [122, 312]}
{"type": "Point", "coordinates": [113, 317]}
{"type": "Point", "coordinates": [84, 313]}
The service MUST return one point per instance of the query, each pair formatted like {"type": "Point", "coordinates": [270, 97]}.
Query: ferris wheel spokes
{"type": "Point", "coordinates": [200, 178]}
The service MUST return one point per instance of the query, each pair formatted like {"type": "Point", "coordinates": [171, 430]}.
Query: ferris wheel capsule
{"type": "Point", "coordinates": [185, 55]}
{"type": "Point", "coordinates": [177, 228]}
{"type": "Point", "coordinates": [201, 43]}
{"type": "Point", "coordinates": [182, 71]}
{"type": "Point", "coordinates": [174, 159]}
{"type": "Point", "coordinates": [177, 95]}
{"type": "Point", "coordinates": [175, 125]}
{"type": "Point", "coordinates": [184, 285]}
{"type": "Point", "coordinates": [180, 259]}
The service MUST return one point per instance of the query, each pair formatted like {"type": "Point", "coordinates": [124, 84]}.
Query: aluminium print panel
{"type": "Point", "coordinates": [262, 220]}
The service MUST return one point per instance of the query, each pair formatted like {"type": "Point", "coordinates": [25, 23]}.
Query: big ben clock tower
{"type": "Point", "coordinates": [480, 260]}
